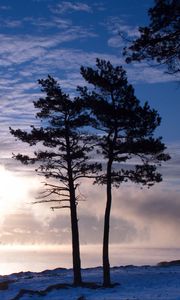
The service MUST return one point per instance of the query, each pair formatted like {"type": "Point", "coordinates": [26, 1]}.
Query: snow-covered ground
{"type": "Point", "coordinates": [133, 283]}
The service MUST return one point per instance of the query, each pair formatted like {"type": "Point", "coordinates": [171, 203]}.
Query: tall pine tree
{"type": "Point", "coordinates": [126, 133]}
{"type": "Point", "coordinates": [62, 155]}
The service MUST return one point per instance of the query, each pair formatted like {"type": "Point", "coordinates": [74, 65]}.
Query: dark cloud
{"type": "Point", "coordinates": [164, 208]}
{"type": "Point", "coordinates": [26, 228]}
{"type": "Point", "coordinates": [91, 230]}
{"type": "Point", "coordinates": [20, 228]}
{"type": "Point", "coordinates": [137, 216]}
{"type": "Point", "coordinates": [155, 208]}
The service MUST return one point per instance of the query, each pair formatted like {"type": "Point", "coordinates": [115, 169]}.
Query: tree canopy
{"type": "Point", "coordinates": [160, 41]}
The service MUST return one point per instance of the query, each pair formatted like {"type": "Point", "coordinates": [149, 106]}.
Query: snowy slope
{"type": "Point", "coordinates": [134, 283]}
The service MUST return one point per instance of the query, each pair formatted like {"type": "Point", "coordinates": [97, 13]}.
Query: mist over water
{"type": "Point", "coordinates": [38, 258]}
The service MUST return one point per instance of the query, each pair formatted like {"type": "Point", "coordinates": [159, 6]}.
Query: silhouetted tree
{"type": "Point", "coordinates": [126, 133]}
{"type": "Point", "coordinates": [160, 41]}
{"type": "Point", "coordinates": [63, 153]}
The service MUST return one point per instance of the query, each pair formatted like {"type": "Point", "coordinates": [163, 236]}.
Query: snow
{"type": "Point", "coordinates": [132, 283]}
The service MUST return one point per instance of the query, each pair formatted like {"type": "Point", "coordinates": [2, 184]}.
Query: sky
{"type": "Point", "coordinates": [41, 37]}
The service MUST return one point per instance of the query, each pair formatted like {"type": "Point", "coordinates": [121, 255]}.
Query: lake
{"type": "Point", "coordinates": [41, 257]}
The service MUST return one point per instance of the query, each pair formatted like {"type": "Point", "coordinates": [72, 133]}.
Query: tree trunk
{"type": "Point", "coordinates": [74, 220]}
{"type": "Point", "coordinates": [75, 238]}
{"type": "Point", "coordinates": [106, 265]}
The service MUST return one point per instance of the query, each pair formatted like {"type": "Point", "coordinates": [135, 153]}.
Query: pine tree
{"type": "Point", "coordinates": [160, 41]}
{"type": "Point", "coordinates": [62, 155]}
{"type": "Point", "coordinates": [126, 135]}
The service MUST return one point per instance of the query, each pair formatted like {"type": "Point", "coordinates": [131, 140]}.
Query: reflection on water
{"type": "Point", "coordinates": [38, 258]}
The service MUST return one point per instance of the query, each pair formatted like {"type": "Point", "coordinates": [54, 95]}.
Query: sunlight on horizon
{"type": "Point", "coordinates": [37, 258]}
{"type": "Point", "coordinates": [14, 192]}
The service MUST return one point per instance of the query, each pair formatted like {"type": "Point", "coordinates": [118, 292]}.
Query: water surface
{"type": "Point", "coordinates": [38, 258]}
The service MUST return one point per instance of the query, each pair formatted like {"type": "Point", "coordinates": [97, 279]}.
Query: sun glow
{"type": "Point", "coordinates": [14, 189]}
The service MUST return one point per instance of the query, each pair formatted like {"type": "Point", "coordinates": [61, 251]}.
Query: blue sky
{"type": "Point", "coordinates": [56, 37]}
{"type": "Point", "coordinates": [41, 37]}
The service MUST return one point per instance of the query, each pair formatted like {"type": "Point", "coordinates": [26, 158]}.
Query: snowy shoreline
{"type": "Point", "coordinates": [131, 283]}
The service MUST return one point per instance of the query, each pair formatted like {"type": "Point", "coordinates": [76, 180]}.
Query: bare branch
{"type": "Point", "coordinates": [49, 201]}
{"type": "Point", "coordinates": [56, 186]}
{"type": "Point", "coordinates": [59, 207]}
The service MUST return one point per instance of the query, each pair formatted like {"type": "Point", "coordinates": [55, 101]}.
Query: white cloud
{"type": "Point", "coordinates": [120, 32]}
{"type": "Point", "coordinates": [29, 59]}
{"type": "Point", "coordinates": [51, 23]}
{"type": "Point", "coordinates": [148, 218]}
{"type": "Point", "coordinates": [10, 23]}
{"type": "Point", "coordinates": [139, 217]}
{"type": "Point", "coordinates": [4, 7]}
{"type": "Point", "coordinates": [143, 73]}
{"type": "Point", "coordinates": [67, 6]}
{"type": "Point", "coordinates": [99, 6]}
{"type": "Point", "coordinates": [23, 49]}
